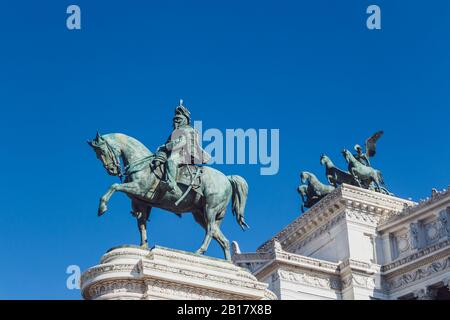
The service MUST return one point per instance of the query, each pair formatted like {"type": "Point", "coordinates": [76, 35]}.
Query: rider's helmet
{"type": "Point", "coordinates": [182, 116]}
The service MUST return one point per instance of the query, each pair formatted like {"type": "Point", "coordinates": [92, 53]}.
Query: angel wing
{"type": "Point", "coordinates": [371, 143]}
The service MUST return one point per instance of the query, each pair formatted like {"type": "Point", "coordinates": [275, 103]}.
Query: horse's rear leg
{"type": "Point", "coordinates": [208, 223]}
{"type": "Point", "coordinates": [206, 241]}
{"type": "Point", "coordinates": [376, 182]}
{"type": "Point", "coordinates": [199, 217]}
{"type": "Point", "coordinates": [221, 239]}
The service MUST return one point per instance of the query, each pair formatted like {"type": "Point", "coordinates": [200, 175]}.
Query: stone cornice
{"type": "Point", "coordinates": [358, 266]}
{"type": "Point", "coordinates": [411, 212]}
{"type": "Point", "coordinates": [166, 254]}
{"type": "Point", "coordinates": [345, 197]}
{"type": "Point", "coordinates": [283, 258]}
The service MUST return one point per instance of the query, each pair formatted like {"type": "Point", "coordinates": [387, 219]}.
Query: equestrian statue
{"type": "Point", "coordinates": [174, 179]}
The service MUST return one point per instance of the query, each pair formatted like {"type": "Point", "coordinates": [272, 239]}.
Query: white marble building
{"type": "Point", "coordinates": [359, 244]}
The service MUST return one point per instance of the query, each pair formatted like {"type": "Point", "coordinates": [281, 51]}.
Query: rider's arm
{"type": "Point", "coordinates": [177, 143]}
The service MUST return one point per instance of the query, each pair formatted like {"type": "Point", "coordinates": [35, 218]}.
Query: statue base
{"type": "Point", "coordinates": [134, 273]}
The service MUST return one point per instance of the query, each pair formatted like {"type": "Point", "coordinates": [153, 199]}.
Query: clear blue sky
{"type": "Point", "coordinates": [310, 68]}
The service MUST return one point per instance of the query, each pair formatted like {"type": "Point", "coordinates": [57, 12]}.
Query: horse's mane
{"type": "Point", "coordinates": [351, 156]}
{"type": "Point", "coordinates": [311, 175]}
{"type": "Point", "coordinates": [129, 141]}
{"type": "Point", "coordinates": [327, 159]}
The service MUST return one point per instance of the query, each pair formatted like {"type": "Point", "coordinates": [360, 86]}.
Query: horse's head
{"type": "Point", "coordinates": [107, 155]}
{"type": "Point", "coordinates": [323, 159]}
{"type": "Point", "coordinates": [347, 155]}
{"type": "Point", "coordinates": [304, 176]}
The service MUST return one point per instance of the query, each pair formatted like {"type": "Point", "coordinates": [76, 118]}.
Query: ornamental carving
{"type": "Point", "coordinates": [362, 281]}
{"type": "Point", "coordinates": [310, 279]}
{"type": "Point", "coordinates": [420, 273]}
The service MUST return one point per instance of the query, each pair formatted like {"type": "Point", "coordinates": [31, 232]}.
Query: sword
{"type": "Point", "coordinates": [188, 189]}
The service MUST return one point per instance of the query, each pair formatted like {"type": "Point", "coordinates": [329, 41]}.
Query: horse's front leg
{"type": "Point", "coordinates": [355, 175]}
{"type": "Point", "coordinates": [131, 188]}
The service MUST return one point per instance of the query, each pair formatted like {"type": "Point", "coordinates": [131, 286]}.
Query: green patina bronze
{"type": "Point", "coordinates": [360, 173]}
{"type": "Point", "coordinates": [172, 179]}
{"type": "Point", "coordinates": [312, 190]}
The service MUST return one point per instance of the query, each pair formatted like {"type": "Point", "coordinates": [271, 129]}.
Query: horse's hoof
{"type": "Point", "coordinates": [102, 209]}
{"type": "Point", "coordinates": [144, 246]}
{"type": "Point", "coordinates": [199, 252]}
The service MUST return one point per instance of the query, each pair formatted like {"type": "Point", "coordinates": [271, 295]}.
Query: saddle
{"type": "Point", "coordinates": [188, 174]}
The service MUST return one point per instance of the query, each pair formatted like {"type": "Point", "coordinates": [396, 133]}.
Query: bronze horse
{"type": "Point", "coordinates": [141, 176]}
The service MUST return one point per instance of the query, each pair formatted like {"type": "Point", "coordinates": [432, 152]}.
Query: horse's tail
{"type": "Point", "coordinates": [239, 198]}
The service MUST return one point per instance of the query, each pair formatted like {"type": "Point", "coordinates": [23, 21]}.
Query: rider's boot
{"type": "Point", "coordinates": [171, 180]}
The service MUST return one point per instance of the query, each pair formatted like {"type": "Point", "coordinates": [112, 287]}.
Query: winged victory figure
{"type": "Point", "coordinates": [370, 151]}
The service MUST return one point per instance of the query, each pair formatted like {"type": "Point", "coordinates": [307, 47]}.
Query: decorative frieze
{"type": "Point", "coordinates": [124, 288]}
{"type": "Point", "coordinates": [311, 279]}
{"type": "Point", "coordinates": [418, 274]}
{"type": "Point", "coordinates": [363, 217]}
{"type": "Point", "coordinates": [358, 280]}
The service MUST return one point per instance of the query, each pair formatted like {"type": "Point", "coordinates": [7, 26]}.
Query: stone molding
{"type": "Point", "coordinates": [276, 258]}
{"type": "Point", "coordinates": [160, 273]}
{"type": "Point", "coordinates": [415, 256]}
{"type": "Point", "coordinates": [411, 211]}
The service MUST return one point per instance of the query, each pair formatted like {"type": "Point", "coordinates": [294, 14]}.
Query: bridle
{"type": "Point", "coordinates": [128, 169]}
{"type": "Point", "coordinates": [112, 154]}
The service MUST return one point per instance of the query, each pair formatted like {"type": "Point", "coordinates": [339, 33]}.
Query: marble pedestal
{"type": "Point", "coordinates": [130, 272]}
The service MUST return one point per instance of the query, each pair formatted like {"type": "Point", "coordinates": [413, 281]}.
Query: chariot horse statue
{"type": "Point", "coordinates": [360, 173]}
{"type": "Point", "coordinates": [187, 187]}
{"type": "Point", "coordinates": [312, 190]}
